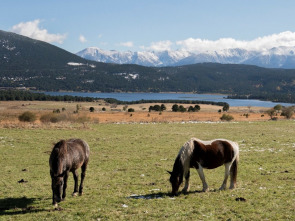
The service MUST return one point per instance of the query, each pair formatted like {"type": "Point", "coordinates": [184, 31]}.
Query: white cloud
{"type": "Point", "coordinates": [262, 43]}
{"type": "Point", "coordinates": [82, 39]}
{"type": "Point", "coordinates": [31, 29]}
{"type": "Point", "coordinates": [128, 44]}
{"type": "Point", "coordinates": [160, 46]}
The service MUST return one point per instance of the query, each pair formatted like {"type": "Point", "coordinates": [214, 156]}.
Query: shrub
{"type": "Point", "coordinates": [131, 110]}
{"type": "Point", "coordinates": [196, 108]}
{"type": "Point", "coordinates": [225, 107]}
{"type": "Point", "coordinates": [57, 111]}
{"type": "Point", "coordinates": [182, 108]}
{"type": "Point", "coordinates": [288, 112]}
{"type": "Point", "coordinates": [226, 117]}
{"type": "Point", "coordinates": [27, 117]}
{"type": "Point", "coordinates": [91, 109]}
{"type": "Point", "coordinates": [82, 119]}
{"type": "Point", "coordinates": [271, 112]}
{"type": "Point", "coordinates": [50, 117]}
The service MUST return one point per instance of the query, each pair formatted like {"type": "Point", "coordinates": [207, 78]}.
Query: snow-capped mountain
{"type": "Point", "coordinates": [278, 57]}
{"type": "Point", "coordinates": [145, 58]}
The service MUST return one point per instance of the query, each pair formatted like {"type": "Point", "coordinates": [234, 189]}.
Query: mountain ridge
{"type": "Point", "coordinates": [278, 57]}
{"type": "Point", "coordinates": [28, 63]}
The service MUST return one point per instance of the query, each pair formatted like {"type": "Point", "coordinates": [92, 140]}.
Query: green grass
{"type": "Point", "coordinates": [127, 179]}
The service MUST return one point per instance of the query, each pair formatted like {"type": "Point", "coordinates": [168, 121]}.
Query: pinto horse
{"type": "Point", "coordinates": [67, 156]}
{"type": "Point", "coordinates": [200, 154]}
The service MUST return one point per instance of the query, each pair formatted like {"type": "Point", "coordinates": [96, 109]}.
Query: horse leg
{"type": "Point", "coordinates": [65, 185]}
{"type": "Point", "coordinates": [75, 174]}
{"type": "Point", "coordinates": [202, 177]}
{"type": "Point", "coordinates": [233, 174]}
{"type": "Point", "coordinates": [226, 174]}
{"type": "Point", "coordinates": [52, 187]}
{"type": "Point", "coordinates": [186, 186]}
{"type": "Point", "coordinates": [83, 173]}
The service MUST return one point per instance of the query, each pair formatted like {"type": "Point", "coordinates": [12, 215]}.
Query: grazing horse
{"type": "Point", "coordinates": [205, 154]}
{"type": "Point", "coordinates": [67, 156]}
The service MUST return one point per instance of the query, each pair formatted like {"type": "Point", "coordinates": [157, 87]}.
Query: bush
{"type": "Point", "coordinates": [288, 112]}
{"type": "Point", "coordinates": [50, 117]}
{"type": "Point", "coordinates": [27, 117]}
{"type": "Point", "coordinates": [226, 117]}
{"type": "Point", "coordinates": [175, 108]}
{"type": "Point", "coordinates": [196, 108]}
{"type": "Point", "coordinates": [91, 109]}
{"type": "Point", "coordinates": [225, 107]}
{"type": "Point", "coordinates": [131, 110]}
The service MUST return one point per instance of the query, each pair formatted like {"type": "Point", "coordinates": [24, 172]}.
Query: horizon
{"type": "Point", "coordinates": [194, 26]}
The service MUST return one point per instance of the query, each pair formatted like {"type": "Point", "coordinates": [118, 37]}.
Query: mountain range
{"type": "Point", "coordinates": [278, 57]}
{"type": "Point", "coordinates": [32, 64]}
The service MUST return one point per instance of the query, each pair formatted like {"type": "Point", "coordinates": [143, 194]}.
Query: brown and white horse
{"type": "Point", "coordinates": [199, 154]}
{"type": "Point", "coordinates": [67, 156]}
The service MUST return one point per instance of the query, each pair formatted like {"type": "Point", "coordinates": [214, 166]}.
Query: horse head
{"type": "Point", "coordinates": [175, 180]}
{"type": "Point", "coordinates": [57, 187]}
{"type": "Point", "coordinates": [57, 162]}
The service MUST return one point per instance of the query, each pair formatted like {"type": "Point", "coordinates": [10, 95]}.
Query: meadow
{"type": "Point", "coordinates": [127, 179]}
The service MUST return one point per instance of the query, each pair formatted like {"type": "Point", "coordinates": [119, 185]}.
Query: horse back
{"type": "Point", "coordinates": [213, 154]}
{"type": "Point", "coordinates": [78, 153]}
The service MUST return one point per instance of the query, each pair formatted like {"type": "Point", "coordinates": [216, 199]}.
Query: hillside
{"type": "Point", "coordinates": [29, 63]}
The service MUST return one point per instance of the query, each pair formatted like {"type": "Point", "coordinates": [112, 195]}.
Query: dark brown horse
{"type": "Point", "coordinates": [67, 156]}
{"type": "Point", "coordinates": [200, 154]}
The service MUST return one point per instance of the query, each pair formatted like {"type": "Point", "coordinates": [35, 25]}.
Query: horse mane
{"type": "Point", "coordinates": [61, 148]}
{"type": "Point", "coordinates": [182, 161]}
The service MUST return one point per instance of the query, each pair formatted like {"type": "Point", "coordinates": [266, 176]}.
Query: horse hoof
{"type": "Point", "coordinates": [55, 205]}
{"type": "Point", "coordinates": [205, 190]}
{"type": "Point", "coordinates": [80, 194]}
{"type": "Point", "coordinates": [75, 194]}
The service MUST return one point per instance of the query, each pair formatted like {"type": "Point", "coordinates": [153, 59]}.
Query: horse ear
{"type": "Point", "coordinates": [169, 172]}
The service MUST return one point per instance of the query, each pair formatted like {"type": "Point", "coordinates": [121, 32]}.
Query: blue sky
{"type": "Point", "coordinates": [138, 25]}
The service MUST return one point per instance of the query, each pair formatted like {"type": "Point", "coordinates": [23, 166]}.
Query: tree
{"type": "Point", "coordinates": [131, 110]}
{"type": "Point", "coordinates": [175, 108]}
{"type": "Point", "coordinates": [278, 108]}
{"type": "Point", "coordinates": [271, 112]}
{"type": "Point", "coordinates": [163, 107]}
{"type": "Point", "coordinates": [225, 107]}
{"type": "Point", "coordinates": [91, 109]}
{"type": "Point", "coordinates": [197, 107]}
{"type": "Point", "coordinates": [182, 108]}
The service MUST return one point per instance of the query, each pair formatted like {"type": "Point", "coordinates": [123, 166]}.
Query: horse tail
{"type": "Point", "coordinates": [234, 169]}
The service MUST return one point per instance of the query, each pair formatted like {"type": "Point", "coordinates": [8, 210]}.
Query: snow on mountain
{"type": "Point", "coordinates": [278, 57]}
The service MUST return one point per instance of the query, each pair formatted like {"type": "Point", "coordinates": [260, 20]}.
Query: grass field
{"type": "Point", "coordinates": [127, 179]}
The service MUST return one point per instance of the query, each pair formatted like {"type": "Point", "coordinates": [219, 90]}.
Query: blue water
{"type": "Point", "coordinates": [172, 96]}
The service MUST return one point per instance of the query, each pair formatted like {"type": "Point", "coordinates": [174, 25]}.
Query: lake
{"type": "Point", "coordinates": [172, 96]}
